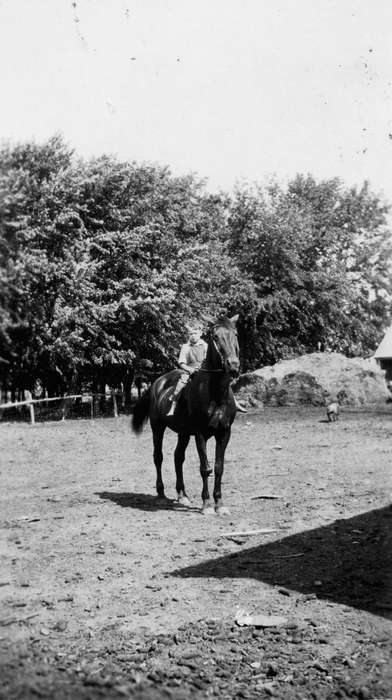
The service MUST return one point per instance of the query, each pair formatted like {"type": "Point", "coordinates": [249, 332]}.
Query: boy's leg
{"type": "Point", "coordinates": [181, 382]}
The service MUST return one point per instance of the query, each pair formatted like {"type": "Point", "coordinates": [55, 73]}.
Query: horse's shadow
{"type": "Point", "coordinates": [145, 501]}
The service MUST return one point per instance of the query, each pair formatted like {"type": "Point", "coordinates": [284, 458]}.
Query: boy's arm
{"type": "Point", "coordinates": [183, 360]}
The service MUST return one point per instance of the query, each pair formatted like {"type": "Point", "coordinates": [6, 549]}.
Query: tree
{"type": "Point", "coordinates": [37, 227]}
{"type": "Point", "coordinates": [319, 255]}
{"type": "Point", "coordinates": [104, 262]}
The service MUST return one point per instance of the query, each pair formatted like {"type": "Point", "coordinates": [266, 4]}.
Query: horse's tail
{"type": "Point", "coordinates": [141, 411]}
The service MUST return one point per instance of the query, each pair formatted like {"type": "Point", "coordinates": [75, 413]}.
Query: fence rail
{"type": "Point", "coordinates": [86, 398]}
{"type": "Point", "coordinates": [12, 404]}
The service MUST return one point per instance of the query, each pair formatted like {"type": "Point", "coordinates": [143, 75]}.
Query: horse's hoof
{"type": "Point", "coordinates": [161, 498]}
{"type": "Point", "coordinates": [208, 511]}
{"type": "Point", "coordinates": [183, 501]}
{"type": "Point", "coordinates": [222, 510]}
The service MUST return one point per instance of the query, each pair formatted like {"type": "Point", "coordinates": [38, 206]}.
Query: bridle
{"type": "Point", "coordinates": [213, 371]}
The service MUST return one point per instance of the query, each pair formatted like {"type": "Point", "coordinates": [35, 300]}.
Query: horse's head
{"type": "Point", "coordinates": [223, 350]}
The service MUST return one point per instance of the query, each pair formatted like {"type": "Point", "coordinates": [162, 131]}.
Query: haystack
{"type": "Point", "coordinates": [314, 379]}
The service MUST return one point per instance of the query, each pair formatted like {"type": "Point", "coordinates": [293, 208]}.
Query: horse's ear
{"type": "Point", "coordinates": [234, 319]}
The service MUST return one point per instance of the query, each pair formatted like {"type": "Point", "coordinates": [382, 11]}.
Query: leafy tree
{"type": "Point", "coordinates": [353, 247]}
{"type": "Point", "coordinates": [35, 225]}
{"type": "Point", "coordinates": [103, 264]}
{"type": "Point", "coordinates": [308, 249]}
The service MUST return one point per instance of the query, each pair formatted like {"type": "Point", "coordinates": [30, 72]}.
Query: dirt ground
{"type": "Point", "coordinates": [106, 593]}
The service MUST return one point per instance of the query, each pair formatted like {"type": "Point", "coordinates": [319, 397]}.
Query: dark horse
{"type": "Point", "coordinates": [205, 408]}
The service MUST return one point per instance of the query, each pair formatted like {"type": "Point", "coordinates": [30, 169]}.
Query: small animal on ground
{"type": "Point", "coordinates": [333, 412]}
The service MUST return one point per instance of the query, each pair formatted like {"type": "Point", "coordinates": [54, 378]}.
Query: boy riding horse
{"type": "Point", "coordinates": [191, 357]}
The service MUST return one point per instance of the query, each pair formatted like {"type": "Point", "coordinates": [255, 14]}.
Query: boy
{"type": "Point", "coordinates": [190, 360]}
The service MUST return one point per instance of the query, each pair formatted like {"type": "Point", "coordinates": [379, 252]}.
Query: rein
{"type": "Point", "coordinates": [212, 371]}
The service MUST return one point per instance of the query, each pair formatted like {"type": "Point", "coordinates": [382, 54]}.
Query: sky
{"type": "Point", "coordinates": [233, 90]}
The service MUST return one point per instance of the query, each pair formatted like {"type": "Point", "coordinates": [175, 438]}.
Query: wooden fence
{"type": "Point", "coordinates": [86, 398]}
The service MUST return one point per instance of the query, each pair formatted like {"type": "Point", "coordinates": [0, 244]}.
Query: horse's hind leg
{"type": "Point", "coordinates": [157, 435]}
{"type": "Point", "coordinates": [205, 471]}
{"type": "Point", "coordinates": [179, 457]}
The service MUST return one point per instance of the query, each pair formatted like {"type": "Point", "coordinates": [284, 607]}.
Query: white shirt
{"type": "Point", "coordinates": [193, 355]}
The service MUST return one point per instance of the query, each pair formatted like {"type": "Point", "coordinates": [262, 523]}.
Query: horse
{"type": "Point", "coordinates": [205, 409]}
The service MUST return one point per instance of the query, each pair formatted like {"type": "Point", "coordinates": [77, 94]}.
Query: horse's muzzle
{"type": "Point", "coordinates": [234, 368]}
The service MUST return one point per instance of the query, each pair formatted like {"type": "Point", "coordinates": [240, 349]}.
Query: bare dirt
{"type": "Point", "coordinates": [106, 593]}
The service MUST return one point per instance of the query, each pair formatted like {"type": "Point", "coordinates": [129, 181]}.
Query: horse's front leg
{"type": "Point", "coordinates": [205, 471]}
{"type": "Point", "coordinates": [179, 457]}
{"type": "Point", "coordinates": [157, 436]}
{"type": "Point", "coordinates": [222, 440]}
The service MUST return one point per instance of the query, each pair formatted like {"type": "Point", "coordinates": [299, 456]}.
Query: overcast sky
{"type": "Point", "coordinates": [230, 89]}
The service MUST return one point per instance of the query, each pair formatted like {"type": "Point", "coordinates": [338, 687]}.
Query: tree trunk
{"type": "Point", "coordinates": [128, 381]}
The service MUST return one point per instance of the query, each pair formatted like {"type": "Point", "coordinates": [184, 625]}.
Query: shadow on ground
{"type": "Point", "coordinates": [144, 501]}
{"type": "Point", "coordinates": [348, 562]}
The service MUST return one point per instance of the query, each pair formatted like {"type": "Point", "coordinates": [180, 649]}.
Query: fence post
{"type": "Point", "coordinates": [32, 417]}
{"type": "Point", "coordinates": [92, 407]}
{"type": "Point", "coordinates": [115, 408]}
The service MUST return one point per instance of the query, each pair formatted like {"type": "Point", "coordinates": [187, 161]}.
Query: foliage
{"type": "Point", "coordinates": [103, 263]}
{"type": "Point", "coordinates": [320, 257]}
